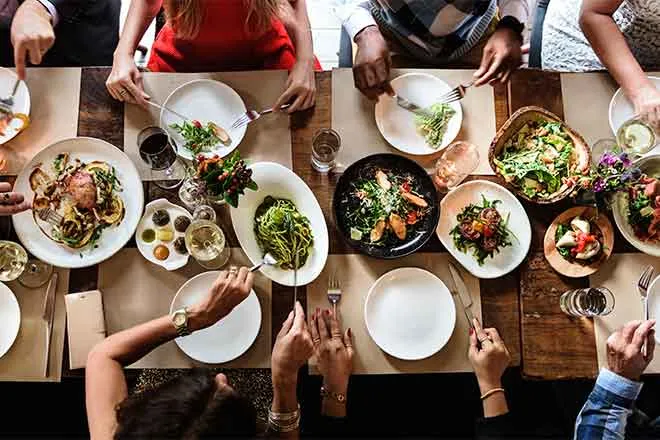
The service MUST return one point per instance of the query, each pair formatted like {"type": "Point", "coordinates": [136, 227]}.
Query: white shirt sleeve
{"type": "Point", "coordinates": [355, 15]}
{"type": "Point", "coordinates": [52, 10]}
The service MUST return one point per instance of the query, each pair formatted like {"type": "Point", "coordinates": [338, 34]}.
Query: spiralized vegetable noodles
{"type": "Point", "coordinates": [283, 231]}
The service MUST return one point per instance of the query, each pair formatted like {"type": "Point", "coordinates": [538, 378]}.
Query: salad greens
{"type": "Point", "coordinates": [433, 123]}
{"type": "Point", "coordinates": [198, 137]}
{"type": "Point", "coordinates": [538, 159]}
{"type": "Point", "coordinates": [562, 229]}
{"type": "Point", "coordinates": [481, 230]}
{"type": "Point", "coordinates": [644, 208]}
{"type": "Point", "coordinates": [284, 232]}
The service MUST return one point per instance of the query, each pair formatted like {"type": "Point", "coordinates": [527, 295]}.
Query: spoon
{"type": "Point", "coordinates": [268, 260]}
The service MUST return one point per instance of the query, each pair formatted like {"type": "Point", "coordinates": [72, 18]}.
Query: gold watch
{"type": "Point", "coordinates": [180, 322]}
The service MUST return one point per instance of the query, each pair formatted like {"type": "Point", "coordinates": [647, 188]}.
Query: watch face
{"type": "Point", "coordinates": [179, 318]}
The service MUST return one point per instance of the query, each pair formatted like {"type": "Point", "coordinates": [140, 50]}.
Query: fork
{"type": "Point", "coordinates": [50, 216]}
{"type": "Point", "coordinates": [251, 116]}
{"type": "Point", "coordinates": [642, 286]}
{"type": "Point", "coordinates": [8, 102]}
{"type": "Point", "coordinates": [455, 94]}
{"type": "Point", "coordinates": [334, 293]}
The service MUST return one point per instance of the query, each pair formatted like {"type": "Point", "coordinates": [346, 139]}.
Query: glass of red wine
{"type": "Point", "coordinates": [167, 170]}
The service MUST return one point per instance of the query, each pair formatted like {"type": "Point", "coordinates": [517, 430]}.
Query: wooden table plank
{"type": "Point", "coordinates": [554, 346]}
{"type": "Point", "coordinates": [101, 116]}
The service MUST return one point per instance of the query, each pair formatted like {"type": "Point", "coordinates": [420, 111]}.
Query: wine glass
{"type": "Point", "coordinates": [456, 163]}
{"type": "Point", "coordinates": [167, 170]}
{"type": "Point", "coordinates": [15, 265]}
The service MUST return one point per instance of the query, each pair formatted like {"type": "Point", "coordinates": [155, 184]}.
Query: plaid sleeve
{"type": "Point", "coordinates": [610, 403]}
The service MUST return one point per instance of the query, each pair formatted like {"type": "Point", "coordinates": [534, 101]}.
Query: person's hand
{"type": "Point", "coordinates": [371, 69]}
{"type": "Point", "coordinates": [501, 56]}
{"type": "Point", "coordinates": [300, 89]}
{"type": "Point", "coordinates": [229, 290]}
{"type": "Point", "coordinates": [333, 350]}
{"type": "Point", "coordinates": [32, 35]}
{"type": "Point", "coordinates": [489, 361]}
{"type": "Point", "coordinates": [646, 101]}
{"type": "Point", "coordinates": [11, 202]}
{"type": "Point", "coordinates": [624, 349]}
{"type": "Point", "coordinates": [293, 347]}
{"type": "Point", "coordinates": [125, 80]}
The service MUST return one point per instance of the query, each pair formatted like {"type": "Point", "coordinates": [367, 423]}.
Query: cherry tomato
{"type": "Point", "coordinates": [488, 231]}
{"type": "Point", "coordinates": [405, 186]}
{"type": "Point", "coordinates": [196, 123]}
{"type": "Point", "coordinates": [411, 218]}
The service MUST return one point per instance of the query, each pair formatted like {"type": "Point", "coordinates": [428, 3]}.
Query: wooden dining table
{"type": "Point", "coordinates": [523, 305]}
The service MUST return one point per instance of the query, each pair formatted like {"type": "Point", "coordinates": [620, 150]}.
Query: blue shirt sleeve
{"type": "Point", "coordinates": [606, 411]}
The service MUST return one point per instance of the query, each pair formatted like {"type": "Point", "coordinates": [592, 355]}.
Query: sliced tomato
{"type": "Point", "coordinates": [488, 231]}
{"type": "Point", "coordinates": [411, 218]}
{"type": "Point", "coordinates": [405, 187]}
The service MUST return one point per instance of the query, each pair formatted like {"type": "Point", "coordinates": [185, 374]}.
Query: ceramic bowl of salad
{"type": "Point", "coordinates": [538, 156]}
{"type": "Point", "coordinates": [637, 212]}
{"type": "Point", "coordinates": [579, 241]}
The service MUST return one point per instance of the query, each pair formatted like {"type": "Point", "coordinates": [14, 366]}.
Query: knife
{"type": "Point", "coordinates": [410, 106]}
{"type": "Point", "coordinates": [295, 283]}
{"type": "Point", "coordinates": [49, 316]}
{"type": "Point", "coordinates": [461, 291]}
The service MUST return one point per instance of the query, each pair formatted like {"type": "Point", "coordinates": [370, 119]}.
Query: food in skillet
{"type": "Point", "coordinates": [284, 232]}
{"type": "Point", "coordinates": [433, 123]}
{"type": "Point", "coordinates": [540, 159]}
{"type": "Point", "coordinates": [200, 138]}
{"type": "Point", "coordinates": [85, 195]}
{"type": "Point", "coordinates": [383, 207]}
{"type": "Point", "coordinates": [644, 209]}
{"type": "Point", "coordinates": [579, 241]}
{"type": "Point", "coordinates": [481, 230]}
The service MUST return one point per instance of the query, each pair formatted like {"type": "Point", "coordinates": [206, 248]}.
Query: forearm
{"type": "Point", "coordinates": [495, 404]}
{"type": "Point", "coordinates": [515, 8]}
{"type": "Point", "coordinates": [300, 30]}
{"type": "Point", "coordinates": [285, 400]}
{"type": "Point", "coordinates": [140, 15]}
{"type": "Point", "coordinates": [612, 49]}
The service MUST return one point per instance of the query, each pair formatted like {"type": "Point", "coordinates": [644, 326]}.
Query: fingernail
{"type": "Point", "coordinates": [350, 333]}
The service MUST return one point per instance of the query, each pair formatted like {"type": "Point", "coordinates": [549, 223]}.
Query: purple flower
{"type": "Point", "coordinates": [608, 159]}
{"type": "Point", "coordinates": [598, 185]}
{"type": "Point", "coordinates": [626, 176]}
{"type": "Point", "coordinates": [625, 159]}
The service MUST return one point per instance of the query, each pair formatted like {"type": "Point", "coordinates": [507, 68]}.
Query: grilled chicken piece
{"type": "Point", "coordinates": [382, 180]}
{"type": "Point", "coordinates": [82, 189]}
{"type": "Point", "coordinates": [377, 231]}
{"type": "Point", "coordinates": [415, 200]}
{"type": "Point", "coordinates": [398, 226]}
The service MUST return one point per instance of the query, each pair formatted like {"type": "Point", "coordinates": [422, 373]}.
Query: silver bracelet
{"type": "Point", "coordinates": [284, 422]}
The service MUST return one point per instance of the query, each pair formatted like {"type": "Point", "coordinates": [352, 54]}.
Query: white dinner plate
{"type": "Point", "coordinates": [621, 109]}
{"type": "Point", "coordinates": [654, 303]}
{"type": "Point", "coordinates": [175, 260]}
{"type": "Point", "coordinates": [113, 238]}
{"type": "Point", "coordinates": [509, 257]}
{"type": "Point", "coordinates": [204, 100]}
{"type": "Point", "coordinates": [397, 125]}
{"type": "Point", "coordinates": [620, 209]}
{"type": "Point", "coordinates": [10, 319]}
{"type": "Point", "coordinates": [228, 338]}
{"type": "Point", "coordinates": [21, 99]}
{"type": "Point", "coordinates": [410, 313]}
{"type": "Point", "coordinates": [277, 181]}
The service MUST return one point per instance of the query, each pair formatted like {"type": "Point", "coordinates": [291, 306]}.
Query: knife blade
{"type": "Point", "coordinates": [410, 106]}
{"type": "Point", "coordinates": [461, 291]}
{"type": "Point", "coordinates": [49, 316]}
{"type": "Point", "coordinates": [295, 283]}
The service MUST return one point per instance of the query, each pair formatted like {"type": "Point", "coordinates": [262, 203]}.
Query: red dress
{"type": "Point", "coordinates": [224, 44]}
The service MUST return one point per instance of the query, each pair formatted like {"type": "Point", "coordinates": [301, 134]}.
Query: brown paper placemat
{"type": "Point", "coordinates": [25, 360]}
{"type": "Point", "coordinates": [269, 139]}
{"type": "Point", "coordinates": [135, 291]}
{"type": "Point", "coordinates": [353, 118]}
{"type": "Point", "coordinates": [357, 273]}
{"type": "Point", "coordinates": [54, 102]}
{"type": "Point", "coordinates": [586, 98]}
{"type": "Point", "coordinates": [620, 275]}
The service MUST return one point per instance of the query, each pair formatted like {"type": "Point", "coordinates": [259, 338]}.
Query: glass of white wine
{"type": "Point", "coordinates": [207, 244]}
{"type": "Point", "coordinates": [13, 260]}
{"type": "Point", "coordinates": [636, 136]}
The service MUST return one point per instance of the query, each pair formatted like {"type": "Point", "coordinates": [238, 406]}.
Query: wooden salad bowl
{"type": "Point", "coordinates": [576, 270]}
{"type": "Point", "coordinates": [515, 123]}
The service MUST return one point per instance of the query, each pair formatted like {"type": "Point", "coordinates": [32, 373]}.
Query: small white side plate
{"type": "Point", "coordinates": [397, 125]}
{"type": "Point", "coordinates": [205, 100]}
{"type": "Point", "coordinates": [509, 257]}
{"type": "Point", "coordinates": [228, 338]}
{"type": "Point", "coordinates": [10, 319]}
{"type": "Point", "coordinates": [409, 313]}
{"type": "Point", "coordinates": [621, 109]}
{"type": "Point", "coordinates": [21, 99]}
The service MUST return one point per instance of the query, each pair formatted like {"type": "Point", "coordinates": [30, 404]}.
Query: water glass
{"type": "Point", "coordinates": [325, 147]}
{"type": "Point", "coordinates": [156, 150]}
{"type": "Point", "coordinates": [457, 162]}
{"type": "Point", "coordinates": [591, 301]}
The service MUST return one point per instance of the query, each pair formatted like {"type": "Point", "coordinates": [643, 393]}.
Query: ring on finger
{"type": "Point", "coordinates": [485, 339]}
{"type": "Point", "coordinates": [337, 336]}
{"type": "Point", "coordinates": [233, 270]}
{"type": "Point", "coordinates": [122, 92]}
{"type": "Point", "coordinates": [316, 341]}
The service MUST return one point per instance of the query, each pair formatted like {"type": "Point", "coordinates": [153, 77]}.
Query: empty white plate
{"type": "Point", "coordinates": [205, 100]}
{"type": "Point", "coordinates": [397, 125]}
{"type": "Point", "coordinates": [10, 319]}
{"type": "Point", "coordinates": [21, 99]}
{"type": "Point", "coordinates": [654, 304]}
{"type": "Point", "coordinates": [621, 109]}
{"type": "Point", "coordinates": [410, 313]}
{"type": "Point", "coordinates": [509, 257]}
{"type": "Point", "coordinates": [228, 338]}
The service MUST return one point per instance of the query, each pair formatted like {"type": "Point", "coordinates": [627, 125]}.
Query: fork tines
{"type": "Point", "coordinates": [645, 278]}
{"type": "Point", "coordinates": [455, 94]}
{"type": "Point", "coordinates": [50, 216]}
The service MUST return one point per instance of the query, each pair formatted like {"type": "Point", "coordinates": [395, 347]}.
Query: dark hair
{"type": "Point", "coordinates": [188, 407]}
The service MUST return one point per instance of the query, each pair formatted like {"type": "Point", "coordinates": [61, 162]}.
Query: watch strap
{"type": "Point", "coordinates": [181, 330]}
{"type": "Point", "coordinates": [339, 397]}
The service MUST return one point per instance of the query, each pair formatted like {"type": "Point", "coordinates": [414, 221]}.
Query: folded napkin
{"type": "Point", "coordinates": [85, 325]}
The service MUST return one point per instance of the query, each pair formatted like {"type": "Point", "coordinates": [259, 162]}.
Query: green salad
{"type": "Point", "coordinates": [481, 230]}
{"type": "Point", "coordinates": [433, 123]}
{"type": "Point", "coordinates": [284, 232]}
{"type": "Point", "coordinates": [200, 138]}
{"type": "Point", "coordinates": [538, 159]}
